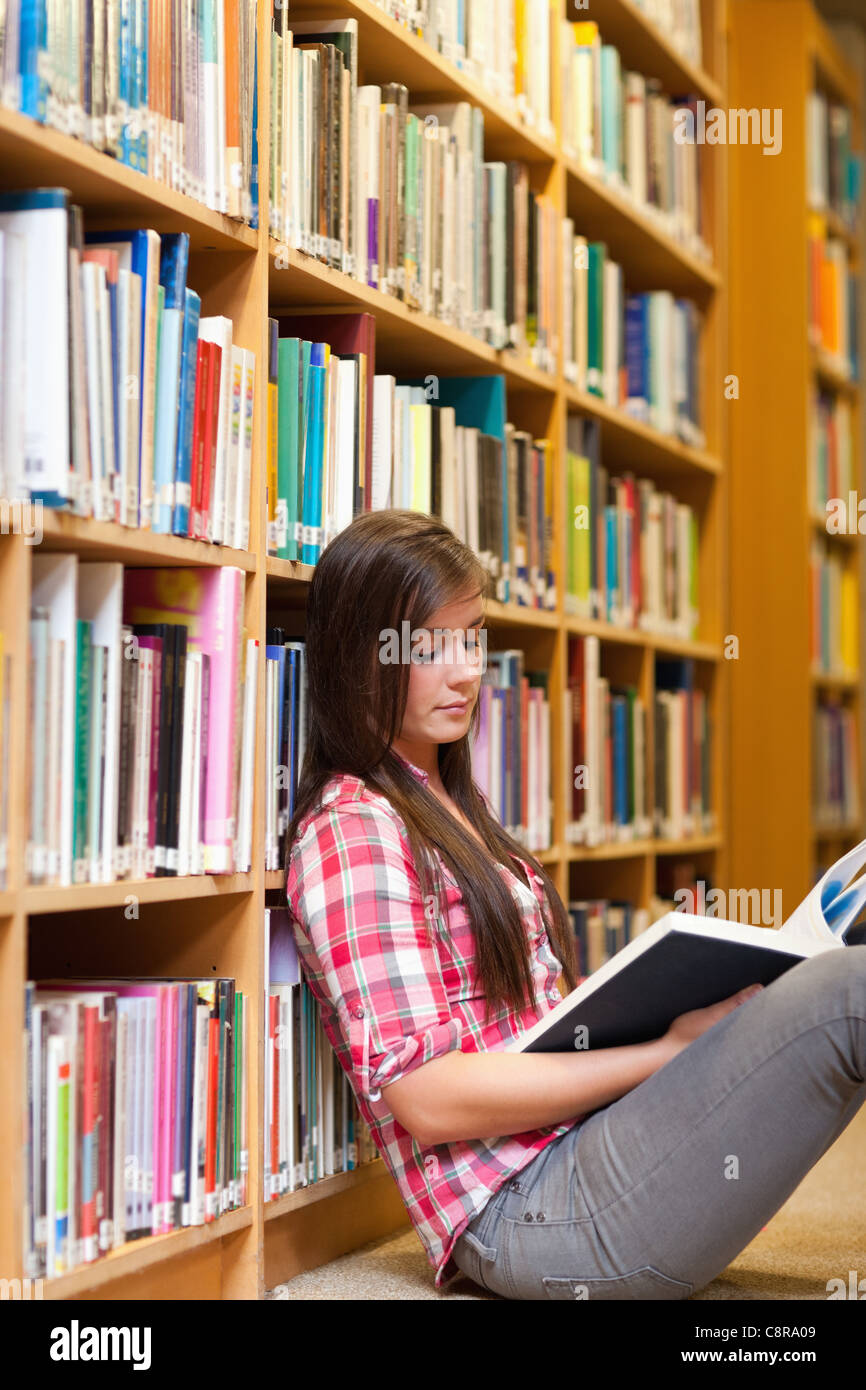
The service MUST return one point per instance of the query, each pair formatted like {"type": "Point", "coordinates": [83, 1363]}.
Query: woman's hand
{"type": "Point", "coordinates": [689, 1026]}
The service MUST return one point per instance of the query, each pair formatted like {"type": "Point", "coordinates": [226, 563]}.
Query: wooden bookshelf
{"type": "Point", "coordinates": [214, 925]}
{"type": "Point", "coordinates": [774, 839]}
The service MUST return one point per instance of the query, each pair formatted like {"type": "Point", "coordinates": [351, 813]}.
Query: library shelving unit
{"type": "Point", "coordinates": [775, 840]}
{"type": "Point", "coordinates": [202, 926]}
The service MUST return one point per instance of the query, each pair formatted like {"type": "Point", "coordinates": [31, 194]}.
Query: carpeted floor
{"type": "Point", "coordinates": [819, 1234]}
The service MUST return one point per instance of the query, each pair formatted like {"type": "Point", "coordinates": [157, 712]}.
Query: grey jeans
{"type": "Point", "coordinates": [653, 1195]}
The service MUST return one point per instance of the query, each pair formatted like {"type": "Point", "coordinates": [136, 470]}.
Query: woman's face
{"type": "Point", "coordinates": [447, 658]}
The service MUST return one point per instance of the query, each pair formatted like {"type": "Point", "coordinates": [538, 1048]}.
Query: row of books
{"type": "Point", "coordinates": [833, 291]}
{"type": "Point", "coordinates": [343, 440]}
{"type": "Point", "coordinates": [602, 927]}
{"type": "Point", "coordinates": [835, 765]}
{"type": "Point", "coordinates": [683, 754]}
{"type": "Point", "coordinates": [640, 353]}
{"type": "Point", "coordinates": [136, 1113]}
{"type": "Point", "coordinates": [400, 197]}
{"type": "Point", "coordinates": [168, 89]}
{"type": "Point", "coordinates": [606, 751]}
{"type": "Point", "coordinates": [287, 717]}
{"type": "Point", "coordinates": [622, 788]}
{"type": "Point", "coordinates": [157, 426]}
{"type": "Point", "coordinates": [621, 126]}
{"type": "Point", "coordinates": [313, 1127]}
{"type": "Point", "coordinates": [834, 170]}
{"type": "Point", "coordinates": [831, 457]}
{"type": "Point", "coordinates": [631, 551]}
{"type": "Point", "coordinates": [504, 45]}
{"type": "Point", "coordinates": [510, 750]}
{"type": "Point", "coordinates": [834, 611]}
{"type": "Point", "coordinates": [143, 685]}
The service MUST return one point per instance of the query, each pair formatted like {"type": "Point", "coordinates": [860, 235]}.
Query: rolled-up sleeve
{"type": "Point", "coordinates": [358, 899]}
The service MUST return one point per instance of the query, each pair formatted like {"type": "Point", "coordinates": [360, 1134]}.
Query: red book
{"type": "Point", "coordinates": [202, 366]}
{"type": "Point", "coordinates": [209, 439]}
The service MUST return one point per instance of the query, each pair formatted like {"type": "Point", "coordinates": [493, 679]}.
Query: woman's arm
{"type": "Point", "coordinates": [472, 1095]}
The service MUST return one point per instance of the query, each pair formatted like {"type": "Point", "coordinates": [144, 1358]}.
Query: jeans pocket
{"type": "Point", "coordinates": [644, 1283]}
{"type": "Point", "coordinates": [473, 1257]}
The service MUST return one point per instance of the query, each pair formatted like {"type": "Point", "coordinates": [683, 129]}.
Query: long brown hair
{"type": "Point", "coordinates": [385, 568]}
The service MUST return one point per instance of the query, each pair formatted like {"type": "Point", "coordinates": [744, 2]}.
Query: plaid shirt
{"type": "Point", "coordinates": [397, 989]}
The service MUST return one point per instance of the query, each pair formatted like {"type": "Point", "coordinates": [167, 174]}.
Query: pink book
{"type": "Point", "coordinates": [156, 1224]}
{"type": "Point", "coordinates": [154, 644]}
{"type": "Point", "coordinates": [210, 603]}
{"type": "Point", "coordinates": [481, 746]}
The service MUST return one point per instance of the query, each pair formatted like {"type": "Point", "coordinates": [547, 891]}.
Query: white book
{"type": "Point", "coordinates": [142, 854]}
{"type": "Point", "coordinates": [347, 388]}
{"type": "Point", "coordinates": [100, 600]}
{"type": "Point", "coordinates": [243, 854]}
{"type": "Point", "coordinates": [191, 674]}
{"type": "Point", "coordinates": [55, 587]}
{"type": "Point", "coordinates": [383, 442]}
{"type": "Point", "coordinates": [13, 343]}
{"type": "Point", "coordinates": [41, 217]}
{"type": "Point", "coordinates": [129, 395]}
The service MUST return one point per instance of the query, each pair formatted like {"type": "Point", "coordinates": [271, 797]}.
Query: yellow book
{"type": "Point", "coordinates": [420, 422]}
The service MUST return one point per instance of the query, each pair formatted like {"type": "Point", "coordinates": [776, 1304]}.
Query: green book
{"type": "Point", "coordinates": [596, 255]}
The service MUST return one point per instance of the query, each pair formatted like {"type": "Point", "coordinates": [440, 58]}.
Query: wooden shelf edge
{"type": "Point", "coordinates": [111, 190]}
{"type": "Point", "coordinates": [324, 1188]}
{"type": "Point", "coordinates": [80, 897]}
{"type": "Point", "coordinates": [666, 445]}
{"type": "Point", "coordinates": [141, 1254]}
{"type": "Point", "coordinates": [633, 849]}
{"type": "Point", "coordinates": [688, 267]}
{"type": "Point", "coordinates": [133, 545]}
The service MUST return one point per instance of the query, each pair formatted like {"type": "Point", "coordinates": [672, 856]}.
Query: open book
{"type": "Point", "coordinates": [685, 962]}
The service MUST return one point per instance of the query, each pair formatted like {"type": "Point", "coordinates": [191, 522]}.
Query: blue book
{"type": "Point", "coordinates": [172, 277]}
{"type": "Point", "coordinates": [254, 169]}
{"type": "Point", "coordinates": [141, 72]}
{"type": "Point", "coordinates": [636, 355]}
{"type": "Point", "coordinates": [186, 414]}
{"type": "Point", "coordinates": [33, 42]}
{"type": "Point", "coordinates": [292, 700]}
{"type": "Point", "coordinates": [312, 513]}
{"type": "Point", "coordinates": [125, 81]}
{"type": "Point", "coordinates": [611, 133]}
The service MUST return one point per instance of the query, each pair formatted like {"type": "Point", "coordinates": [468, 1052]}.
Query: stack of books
{"type": "Point", "coordinates": [834, 171]}
{"type": "Point", "coordinates": [143, 722]}
{"type": "Point", "coordinates": [400, 197]}
{"type": "Point", "coordinates": [168, 89]}
{"type": "Point", "coordinates": [606, 750]}
{"type": "Point", "coordinates": [631, 550]}
{"type": "Point", "coordinates": [833, 294]}
{"type": "Point", "coordinates": [619, 126]}
{"type": "Point", "coordinates": [504, 45]}
{"type": "Point", "coordinates": [835, 765]}
{"type": "Point", "coordinates": [834, 611]}
{"type": "Point", "coordinates": [510, 749]}
{"type": "Point", "coordinates": [639, 352]}
{"type": "Point", "coordinates": [136, 1120]}
{"type": "Point", "coordinates": [601, 928]}
{"type": "Point", "coordinates": [313, 1127]}
{"type": "Point", "coordinates": [831, 460]}
{"type": "Point", "coordinates": [156, 429]}
{"type": "Point", "coordinates": [683, 754]}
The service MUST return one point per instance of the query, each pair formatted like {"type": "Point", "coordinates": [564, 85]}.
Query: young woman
{"type": "Point", "coordinates": [431, 939]}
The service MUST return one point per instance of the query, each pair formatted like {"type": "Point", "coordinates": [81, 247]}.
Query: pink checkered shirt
{"type": "Point", "coordinates": [396, 990]}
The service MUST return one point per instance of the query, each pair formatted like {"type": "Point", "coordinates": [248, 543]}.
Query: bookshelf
{"type": "Point", "coordinates": [775, 840]}
{"type": "Point", "coordinates": [214, 924]}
